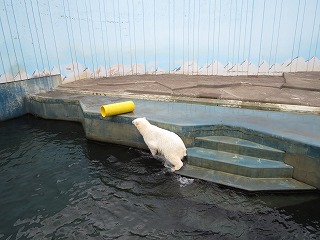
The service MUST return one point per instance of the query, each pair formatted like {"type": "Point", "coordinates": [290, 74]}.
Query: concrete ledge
{"type": "Point", "coordinates": [87, 112]}
{"type": "Point", "coordinates": [187, 120]}
{"type": "Point", "coordinates": [205, 100]}
{"type": "Point", "coordinates": [245, 183]}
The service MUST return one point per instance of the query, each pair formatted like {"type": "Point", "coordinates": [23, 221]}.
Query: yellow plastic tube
{"type": "Point", "coordinates": [116, 108]}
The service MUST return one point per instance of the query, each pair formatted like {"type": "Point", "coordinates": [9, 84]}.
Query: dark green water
{"type": "Point", "coordinates": [55, 184]}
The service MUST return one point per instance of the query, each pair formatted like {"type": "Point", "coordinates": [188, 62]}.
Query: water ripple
{"type": "Point", "coordinates": [58, 185]}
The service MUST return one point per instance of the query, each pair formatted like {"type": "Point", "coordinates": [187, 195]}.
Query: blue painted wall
{"type": "Point", "coordinates": [104, 38]}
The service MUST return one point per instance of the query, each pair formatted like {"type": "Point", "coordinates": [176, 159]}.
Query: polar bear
{"type": "Point", "coordinates": [162, 142]}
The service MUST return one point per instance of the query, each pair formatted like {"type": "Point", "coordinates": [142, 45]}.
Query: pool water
{"type": "Point", "coordinates": [55, 184]}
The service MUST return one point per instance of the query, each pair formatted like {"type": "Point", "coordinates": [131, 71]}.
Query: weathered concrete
{"type": "Point", "coordinates": [193, 106]}
{"type": "Point", "coordinates": [13, 94]}
{"type": "Point", "coordinates": [293, 133]}
{"type": "Point", "coordinates": [309, 81]}
{"type": "Point", "coordinates": [301, 89]}
{"type": "Point", "coordinates": [239, 146]}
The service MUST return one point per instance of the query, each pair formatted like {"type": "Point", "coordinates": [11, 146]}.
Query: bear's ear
{"type": "Point", "coordinates": [144, 118]}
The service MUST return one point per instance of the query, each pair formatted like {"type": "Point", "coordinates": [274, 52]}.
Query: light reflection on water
{"type": "Point", "coordinates": [57, 185]}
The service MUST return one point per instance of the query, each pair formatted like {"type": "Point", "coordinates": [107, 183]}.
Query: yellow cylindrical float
{"type": "Point", "coordinates": [116, 108]}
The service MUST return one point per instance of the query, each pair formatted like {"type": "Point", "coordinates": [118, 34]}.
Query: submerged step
{"type": "Point", "coordinates": [238, 164]}
{"type": "Point", "coordinates": [239, 146]}
{"type": "Point", "coordinates": [245, 183]}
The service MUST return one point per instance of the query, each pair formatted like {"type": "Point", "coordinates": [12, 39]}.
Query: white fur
{"type": "Point", "coordinates": [163, 142]}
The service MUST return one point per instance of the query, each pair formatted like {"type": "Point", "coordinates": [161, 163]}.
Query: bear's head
{"type": "Point", "coordinates": [140, 123]}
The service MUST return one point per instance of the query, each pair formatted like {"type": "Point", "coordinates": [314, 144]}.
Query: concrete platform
{"type": "Point", "coordinates": [280, 113]}
{"type": "Point", "coordinates": [245, 183]}
{"type": "Point", "coordinates": [238, 164]}
{"type": "Point", "coordinates": [297, 134]}
{"type": "Point", "coordinates": [302, 89]}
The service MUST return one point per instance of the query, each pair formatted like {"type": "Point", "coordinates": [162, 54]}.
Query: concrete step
{"type": "Point", "coordinates": [239, 146]}
{"type": "Point", "coordinates": [245, 183]}
{"type": "Point", "coordinates": [238, 164]}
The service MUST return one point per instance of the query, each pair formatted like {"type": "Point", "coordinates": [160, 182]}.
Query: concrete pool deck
{"type": "Point", "coordinates": [296, 89]}
{"type": "Point", "coordinates": [282, 124]}
{"type": "Point", "coordinates": [253, 133]}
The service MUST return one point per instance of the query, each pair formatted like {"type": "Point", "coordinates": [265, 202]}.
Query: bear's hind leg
{"type": "Point", "coordinates": [152, 147]}
{"type": "Point", "coordinates": [153, 151]}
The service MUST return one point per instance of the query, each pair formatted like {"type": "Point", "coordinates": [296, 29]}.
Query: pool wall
{"type": "Point", "coordinates": [13, 94]}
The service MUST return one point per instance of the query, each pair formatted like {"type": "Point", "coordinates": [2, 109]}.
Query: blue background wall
{"type": "Point", "coordinates": [99, 38]}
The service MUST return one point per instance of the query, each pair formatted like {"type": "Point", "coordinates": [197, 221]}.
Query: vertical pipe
{"type": "Point", "coordinates": [218, 47]}
{"type": "Point", "coordinates": [276, 53]}
{"type": "Point", "coordinates": [6, 46]}
{"type": "Point", "coordinates": [107, 41]}
{"type": "Point", "coordinates": [317, 43]}
{"type": "Point", "coordinates": [65, 17]}
{"type": "Point", "coordinates": [183, 32]}
{"type": "Point", "coordinates": [234, 36]}
{"type": "Point", "coordinates": [155, 37]}
{"type": "Point", "coordinates": [213, 35]}
{"type": "Point", "coordinates": [94, 43]}
{"type": "Point", "coordinates": [273, 24]}
{"type": "Point", "coordinates": [194, 22]}
{"type": "Point", "coordinates": [103, 46]}
{"type": "Point", "coordinates": [188, 36]}
{"type": "Point", "coordinates": [229, 38]}
{"type": "Point", "coordinates": [18, 36]}
{"type": "Point", "coordinates": [43, 36]}
{"type": "Point", "coordinates": [134, 38]}
{"type": "Point", "coordinates": [90, 43]}
{"type": "Point", "coordinates": [32, 39]}
{"type": "Point", "coordinates": [245, 36]}
{"type": "Point", "coordinates": [130, 36]}
{"type": "Point", "coordinates": [250, 38]}
{"type": "Point", "coordinates": [314, 23]}
{"type": "Point", "coordinates": [80, 29]}
{"type": "Point", "coordinates": [198, 36]}
{"type": "Point", "coordinates": [4, 70]}
{"type": "Point", "coordinates": [14, 49]}
{"type": "Point", "coordinates": [74, 43]}
{"type": "Point", "coordinates": [169, 35]}
{"type": "Point", "coordinates": [294, 38]}
{"type": "Point", "coordinates": [115, 35]}
{"type": "Point", "coordinates": [208, 40]}
{"type": "Point", "coordinates": [239, 42]}
{"type": "Point", "coordinates": [37, 34]}
{"type": "Point", "coordinates": [120, 34]}
{"type": "Point", "coordinates": [173, 50]}
{"type": "Point", "coordinates": [303, 15]}
{"type": "Point", "coordinates": [54, 35]}
{"type": "Point", "coordinates": [144, 40]}
{"type": "Point", "coordinates": [262, 27]}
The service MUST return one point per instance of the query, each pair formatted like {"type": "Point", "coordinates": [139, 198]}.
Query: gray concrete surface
{"type": "Point", "coordinates": [295, 133]}
{"type": "Point", "coordinates": [193, 106]}
{"type": "Point", "coordinates": [300, 89]}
